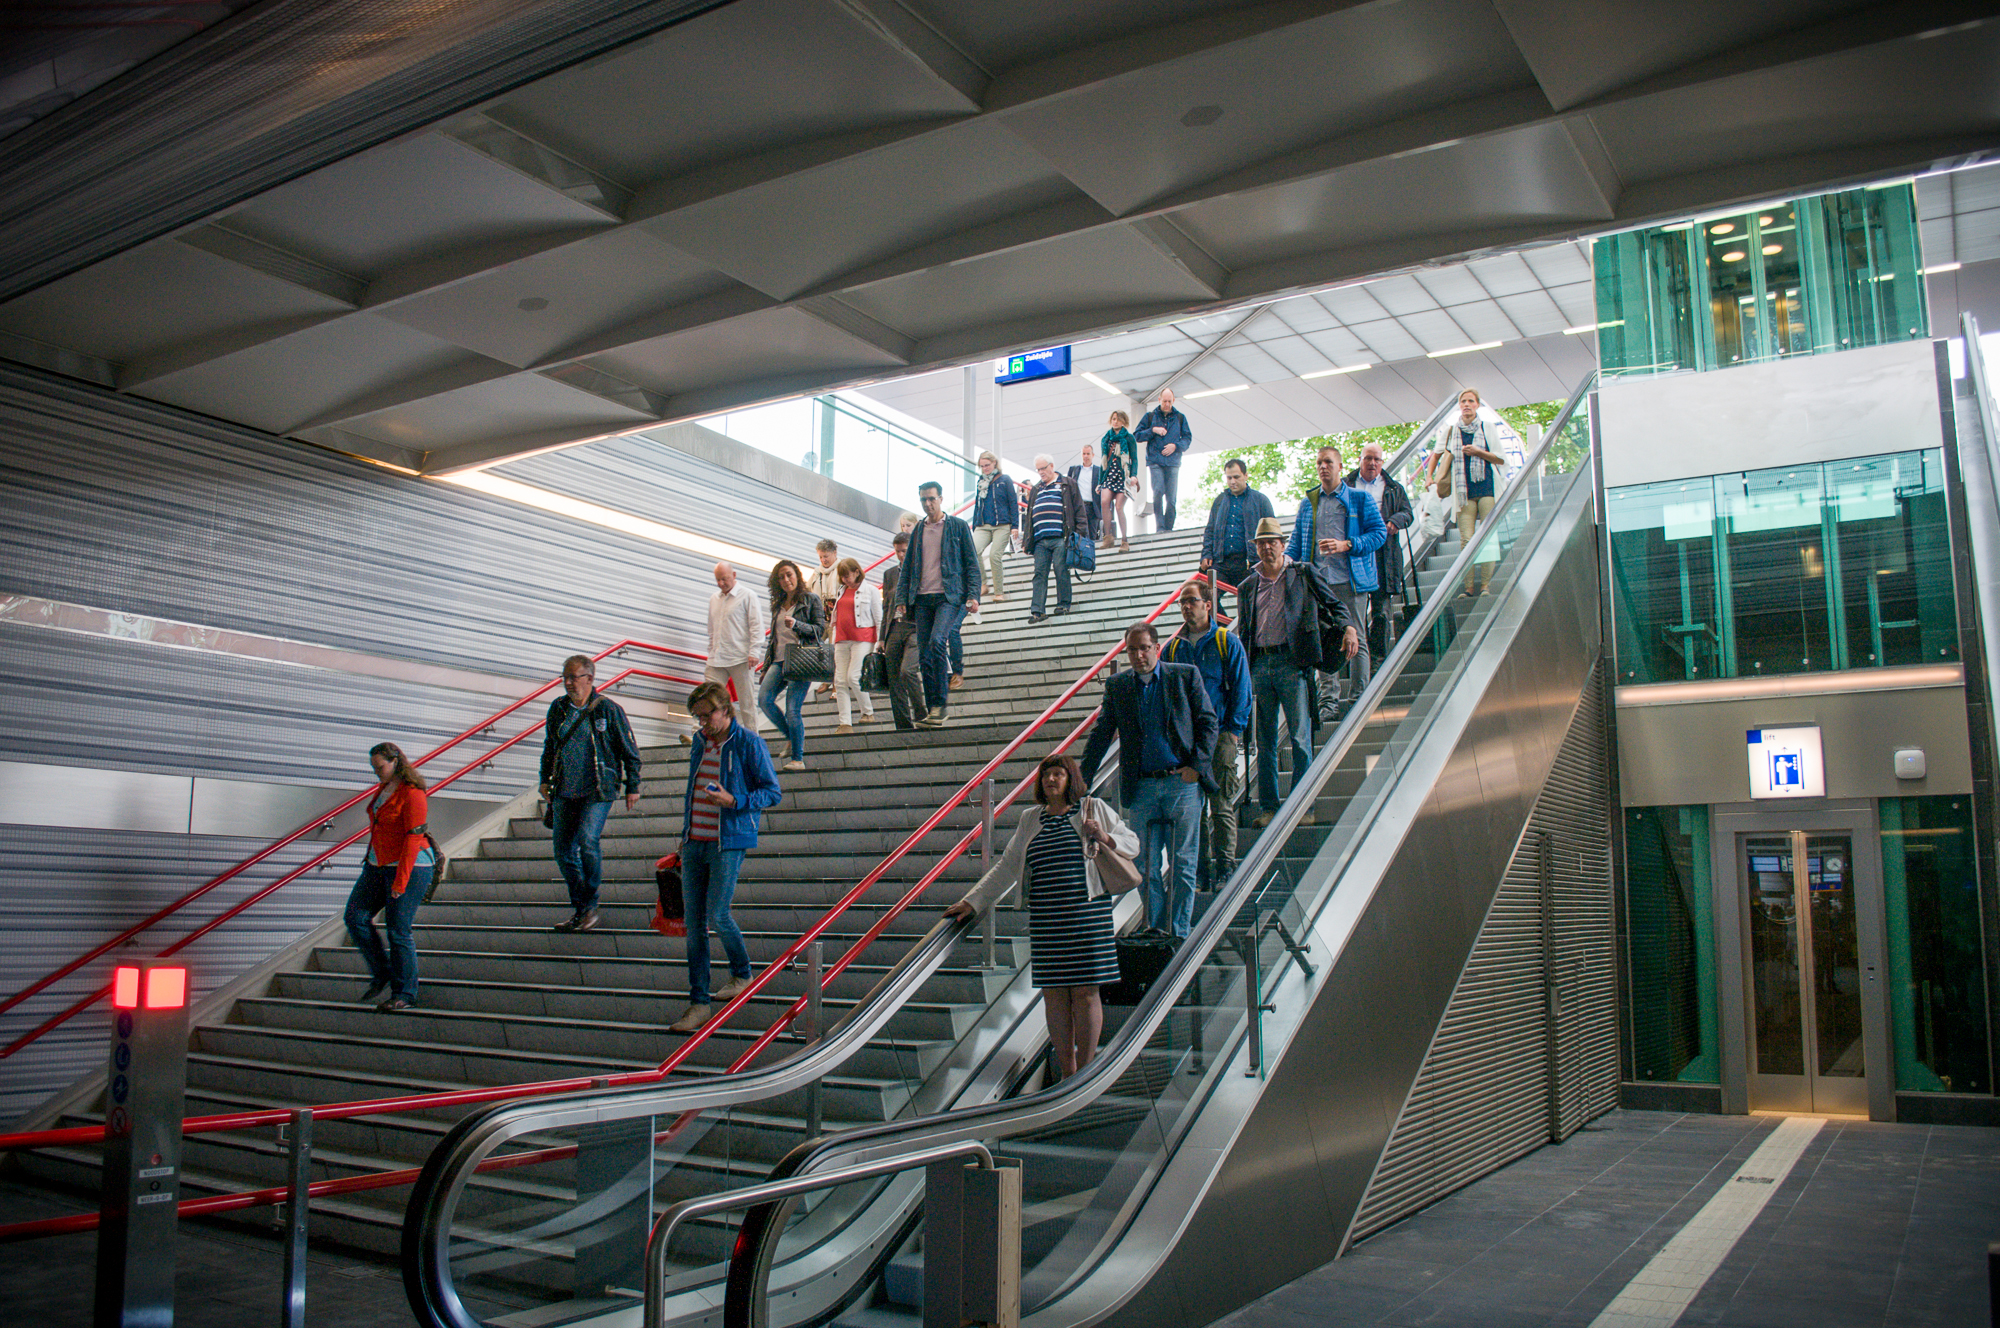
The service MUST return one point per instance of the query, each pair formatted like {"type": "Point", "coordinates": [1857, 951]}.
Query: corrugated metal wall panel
{"type": "Point", "coordinates": [1483, 1097]}
{"type": "Point", "coordinates": [123, 505]}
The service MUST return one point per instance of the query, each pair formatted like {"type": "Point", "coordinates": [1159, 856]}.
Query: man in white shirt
{"type": "Point", "coordinates": [735, 638]}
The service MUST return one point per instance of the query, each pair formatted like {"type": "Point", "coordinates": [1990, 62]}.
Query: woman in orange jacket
{"type": "Point", "coordinates": [395, 876]}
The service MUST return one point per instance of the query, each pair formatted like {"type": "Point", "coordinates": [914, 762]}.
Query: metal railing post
{"type": "Point", "coordinates": [815, 1026]}
{"type": "Point", "coordinates": [991, 930]}
{"type": "Point", "coordinates": [292, 1313]}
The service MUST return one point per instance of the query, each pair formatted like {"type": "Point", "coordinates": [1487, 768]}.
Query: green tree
{"type": "Point", "coordinates": [1288, 469]}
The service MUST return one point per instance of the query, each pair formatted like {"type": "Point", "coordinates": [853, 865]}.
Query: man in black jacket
{"type": "Point", "coordinates": [587, 752]}
{"type": "Point", "coordinates": [1166, 727]}
{"type": "Point", "coordinates": [1286, 611]}
{"type": "Point", "coordinates": [1397, 514]}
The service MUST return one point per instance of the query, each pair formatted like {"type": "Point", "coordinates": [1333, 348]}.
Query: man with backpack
{"type": "Point", "coordinates": [1225, 671]}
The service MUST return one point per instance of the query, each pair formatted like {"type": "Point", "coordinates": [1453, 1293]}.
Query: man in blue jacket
{"type": "Point", "coordinates": [587, 751]}
{"type": "Point", "coordinates": [1225, 671]}
{"type": "Point", "coordinates": [1338, 529]}
{"type": "Point", "coordinates": [1166, 434]}
{"type": "Point", "coordinates": [1166, 728]}
{"type": "Point", "coordinates": [939, 585]}
{"type": "Point", "coordinates": [1232, 519]}
{"type": "Point", "coordinates": [730, 782]}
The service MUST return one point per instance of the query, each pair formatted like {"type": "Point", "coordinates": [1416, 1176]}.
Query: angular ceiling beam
{"type": "Point", "coordinates": [60, 359]}
{"type": "Point", "coordinates": [1180, 249]}
{"type": "Point", "coordinates": [218, 239]}
{"type": "Point", "coordinates": [1069, 217]}
{"type": "Point", "coordinates": [464, 372]}
{"type": "Point", "coordinates": [839, 314]}
{"type": "Point", "coordinates": [197, 351]}
{"type": "Point", "coordinates": [912, 37]}
{"type": "Point", "coordinates": [1202, 356]}
{"type": "Point", "coordinates": [488, 134]}
{"type": "Point", "coordinates": [683, 317]}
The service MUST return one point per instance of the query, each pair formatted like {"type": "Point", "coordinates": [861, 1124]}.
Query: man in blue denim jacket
{"type": "Point", "coordinates": [1338, 530]}
{"type": "Point", "coordinates": [730, 783]}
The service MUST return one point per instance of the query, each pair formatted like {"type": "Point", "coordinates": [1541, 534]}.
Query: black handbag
{"type": "Point", "coordinates": [1142, 957]}
{"type": "Point", "coordinates": [874, 672]}
{"type": "Point", "coordinates": [809, 661]}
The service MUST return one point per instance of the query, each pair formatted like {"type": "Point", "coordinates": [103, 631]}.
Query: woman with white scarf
{"type": "Point", "coordinates": [1464, 471]}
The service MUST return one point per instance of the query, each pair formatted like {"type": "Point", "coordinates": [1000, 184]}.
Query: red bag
{"type": "Point", "coordinates": [669, 910]}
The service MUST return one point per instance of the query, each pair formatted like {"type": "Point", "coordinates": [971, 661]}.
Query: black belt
{"type": "Point", "coordinates": [1162, 774]}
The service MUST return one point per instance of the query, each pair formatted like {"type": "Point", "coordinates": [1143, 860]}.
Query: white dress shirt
{"type": "Point", "coordinates": [735, 627]}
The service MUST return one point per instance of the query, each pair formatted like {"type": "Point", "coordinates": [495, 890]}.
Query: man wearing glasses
{"type": "Point", "coordinates": [587, 751]}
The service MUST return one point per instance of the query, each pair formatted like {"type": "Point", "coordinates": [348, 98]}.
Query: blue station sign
{"type": "Point", "coordinates": [1032, 364]}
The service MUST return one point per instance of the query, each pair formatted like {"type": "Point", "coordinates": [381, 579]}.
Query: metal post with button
{"type": "Point", "coordinates": [145, 1095]}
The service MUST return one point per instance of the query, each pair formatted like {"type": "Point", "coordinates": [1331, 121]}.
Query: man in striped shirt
{"type": "Point", "coordinates": [1055, 512]}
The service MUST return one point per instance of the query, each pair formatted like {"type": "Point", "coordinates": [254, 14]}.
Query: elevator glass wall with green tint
{"type": "Point", "coordinates": [1670, 1019]}
{"type": "Point", "coordinates": [1937, 988]}
{"type": "Point", "coordinates": [1814, 275]}
{"type": "Point", "coordinates": [1835, 565]}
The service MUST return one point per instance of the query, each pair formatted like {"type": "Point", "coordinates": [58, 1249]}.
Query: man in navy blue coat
{"type": "Point", "coordinates": [939, 585]}
{"type": "Point", "coordinates": [1166, 436]}
{"type": "Point", "coordinates": [1166, 732]}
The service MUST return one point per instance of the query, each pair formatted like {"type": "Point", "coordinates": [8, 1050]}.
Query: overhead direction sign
{"type": "Point", "coordinates": [1786, 763]}
{"type": "Point", "coordinates": [1032, 364]}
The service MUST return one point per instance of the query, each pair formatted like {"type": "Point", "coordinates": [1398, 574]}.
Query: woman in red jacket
{"type": "Point", "coordinates": [395, 875]}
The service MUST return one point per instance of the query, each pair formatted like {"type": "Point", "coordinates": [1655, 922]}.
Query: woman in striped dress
{"type": "Point", "coordinates": [1072, 949]}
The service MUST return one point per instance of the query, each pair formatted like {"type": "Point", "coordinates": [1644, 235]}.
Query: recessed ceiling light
{"type": "Point", "coordinates": [1328, 373]}
{"type": "Point", "coordinates": [1734, 256]}
{"type": "Point", "coordinates": [1774, 248]}
{"type": "Point", "coordinates": [1940, 267]}
{"type": "Point", "coordinates": [1724, 229]}
{"type": "Point", "coordinates": [1767, 221]}
{"type": "Point", "coordinates": [1461, 350]}
{"type": "Point", "coordinates": [1217, 391]}
{"type": "Point", "coordinates": [1592, 327]}
{"type": "Point", "coordinates": [1090, 377]}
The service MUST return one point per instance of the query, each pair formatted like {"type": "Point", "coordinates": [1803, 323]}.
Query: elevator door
{"type": "Point", "coordinates": [1805, 972]}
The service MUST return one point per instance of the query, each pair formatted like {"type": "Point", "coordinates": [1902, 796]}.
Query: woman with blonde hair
{"type": "Point", "coordinates": [1121, 468]}
{"type": "Point", "coordinates": [857, 621]}
{"type": "Point", "coordinates": [1463, 474]}
{"type": "Point", "coordinates": [395, 875]}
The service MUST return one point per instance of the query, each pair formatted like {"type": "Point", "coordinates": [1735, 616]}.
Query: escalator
{"type": "Point", "coordinates": [1400, 988]}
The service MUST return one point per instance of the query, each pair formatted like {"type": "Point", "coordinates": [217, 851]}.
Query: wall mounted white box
{"type": "Point", "coordinates": [1910, 763]}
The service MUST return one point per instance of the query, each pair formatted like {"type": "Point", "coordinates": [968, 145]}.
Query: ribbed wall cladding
{"type": "Point", "coordinates": [121, 505]}
{"type": "Point", "coordinates": [1502, 1078]}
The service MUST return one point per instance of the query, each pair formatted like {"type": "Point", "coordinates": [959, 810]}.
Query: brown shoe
{"type": "Point", "coordinates": [957, 679]}
{"type": "Point", "coordinates": [731, 989]}
{"type": "Point", "coordinates": [691, 1022]}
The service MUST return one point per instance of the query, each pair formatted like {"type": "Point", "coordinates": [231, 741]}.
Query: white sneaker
{"type": "Point", "coordinates": [793, 765]}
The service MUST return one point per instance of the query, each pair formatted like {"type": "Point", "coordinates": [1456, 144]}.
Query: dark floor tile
{"type": "Point", "coordinates": [1749, 1310]}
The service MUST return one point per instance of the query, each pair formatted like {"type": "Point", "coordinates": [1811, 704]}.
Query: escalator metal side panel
{"type": "Point", "coordinates": [1295, 1153]}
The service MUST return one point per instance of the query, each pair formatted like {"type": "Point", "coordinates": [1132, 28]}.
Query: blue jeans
{"type": "Point", "coordinates": [579, 823]}
{"type": "Point", "coordinates": [1049, 551]}
{"type": "Point", "coordinates": [708, 883]}
{"type": "Point", "coordinates": [937, 623]}
{"type": "Point", "coordinates": [1166, 493]}
{"type": "Point", "coordinates": [398, 966]}
{"type": "Point", "coordinates": [790, 721]}
{"type": "Point", "coordinates": [1276, 684]}
{"type": "Point", "coordinates": [1167, 814]}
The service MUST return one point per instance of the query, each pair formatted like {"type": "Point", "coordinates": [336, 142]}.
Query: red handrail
{"type": "Point", "coordinates": [468, 1097]}
{"type": "Point", "coordinates": [137, 929]}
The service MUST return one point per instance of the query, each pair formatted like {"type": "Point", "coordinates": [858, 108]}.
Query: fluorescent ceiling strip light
{"type": "Point", "coordinates": [1344, 369]}
{"type": "Point", "coordinates": [1217, 391]}
{"type": "Point", "coordinates": [1461, 350]}
{"type": "Point", "coordinates": [1941, 267]}
{"type": "Point", "coordinates": [611, 519]}
{"type": "Point", "coordinates": [1592, 327]}
{"type": "Point", "coordinates": [1090, 377]}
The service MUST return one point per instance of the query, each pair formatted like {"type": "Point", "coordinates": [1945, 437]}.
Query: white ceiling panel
{"type": "Point", "coordinates": [741, 79]}
{"type": "Point", "coordinates": [285, 384]}
{"type": "Point", "coordinates": [1104, 269]}
{"type": "Point", "coordinates": [1533, 314]}
{"type": "Point", "coordinates": [799, 231]}
{"type": "Point", "coordinates": [156, 297]}
{"type": "Point", "coordinates": [416, 199]}
{"type": "Point", "coordinates": [771, 344]}
{"type": "Point", "coordinates": [528, 310]}
{"type": "Point", "coordinates": [518, 404]}
{"type": "Point", "coordinates": [1505, 275]}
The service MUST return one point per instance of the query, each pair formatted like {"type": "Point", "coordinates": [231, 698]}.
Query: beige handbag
{"type": "Point", "coordinates": [1118, 873]}
{"type": "Point", "coordinates": [1442, 480]}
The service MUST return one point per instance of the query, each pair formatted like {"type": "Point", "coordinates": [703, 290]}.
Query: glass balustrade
{"type": "Point", "coordinates": [850, 442]}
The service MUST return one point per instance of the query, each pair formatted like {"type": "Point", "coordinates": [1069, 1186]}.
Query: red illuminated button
{"type": "Point", "coordinates": [166, 988]}
{"type": "Point", "coordinates": [125, 989]}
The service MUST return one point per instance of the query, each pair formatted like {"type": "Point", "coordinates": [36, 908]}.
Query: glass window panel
{"type": "Point", "coordinates": [1732, 264]}
{"type": "Point", "coordinates": [1663, 578]}
{"type": "Point", "coordinates": [1869, 263]}
{"type": "Point", "coordinates": [1670, 944]}
{"type": "Point", "coordinates": [1645, 307]}
{"type": "Point", "coordinates": [1778, 1016]}
{"type": "Point", "coordinates": [1775, 577]}
{"type": "Point", "coordinates": [1894, 558]}
{"type": "Point", "coordinates": [1937, 987]}
{"type": "Point", "coordinates": [1836, 957]}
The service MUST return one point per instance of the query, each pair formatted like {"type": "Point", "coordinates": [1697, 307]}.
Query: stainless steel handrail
{"type": "Point", "coordinates": [772, 1192]}
{"type": "Point", "coordinates": [1985, 592]}
{"type": "Point", "coordinates": [1039, 1110]}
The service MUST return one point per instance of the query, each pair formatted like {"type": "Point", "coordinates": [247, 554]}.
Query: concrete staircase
{"type": "Point", "coordinates": [506, 1000]}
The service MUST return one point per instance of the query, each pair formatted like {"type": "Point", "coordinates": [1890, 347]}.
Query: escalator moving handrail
{"type": "Point", "coordinates": [1073, 1094]}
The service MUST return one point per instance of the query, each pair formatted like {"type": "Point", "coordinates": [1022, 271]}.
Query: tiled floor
{"type": "Point", "coordinates": [1874, 1225]}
